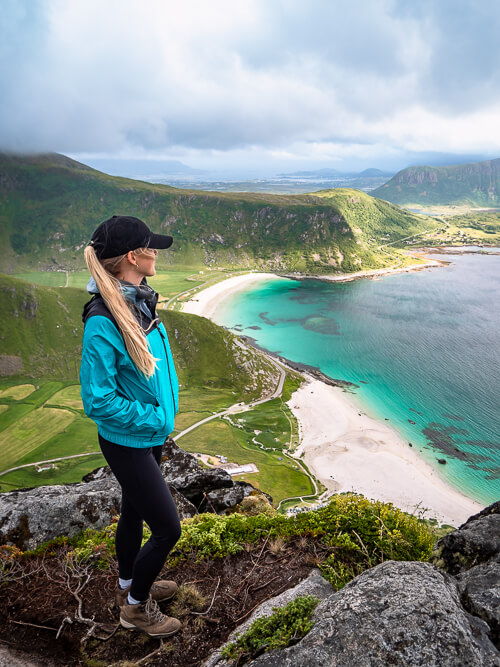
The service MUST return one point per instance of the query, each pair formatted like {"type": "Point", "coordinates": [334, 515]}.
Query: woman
{"type": "Point", "coordinates": [130, 389]}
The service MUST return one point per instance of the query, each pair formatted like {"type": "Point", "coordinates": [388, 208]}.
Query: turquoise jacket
{"type": "Point", "coordinates": [128, 408]}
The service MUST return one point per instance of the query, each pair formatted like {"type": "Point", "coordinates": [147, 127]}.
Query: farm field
{"type": "Point", "coordinates": [256, 436]}
{"type": "Point", "coordinates": [46, 421]}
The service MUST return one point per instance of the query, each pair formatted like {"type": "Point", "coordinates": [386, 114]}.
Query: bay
{"type": "Point", "coordinates": [422, 348]}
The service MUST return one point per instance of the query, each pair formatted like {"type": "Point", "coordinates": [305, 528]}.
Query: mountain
{"type": "Point", "coordinates": [368, 173]}
{"type": "Point", "coordinates": [50, 205]}
{"type": "Point", "coordinates": [473, 184]}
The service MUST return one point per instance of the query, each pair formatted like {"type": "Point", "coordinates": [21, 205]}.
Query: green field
{"type": "Point", "coordinates": [69, 397]}
{"type": "Point", "coordinates": [281, 479]}
{"type": "Point", "coordinates": [64, 472]}
{"type": "Point", "coordinates": [18, 392]}
{"type": "Point", "coordinates": [172, 282]}
{"type": "Point", "coordinates": [49, 423]}
{"type": "Point", "coordinates": [29, 432]}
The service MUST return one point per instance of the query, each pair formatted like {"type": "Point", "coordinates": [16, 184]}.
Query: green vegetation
{"type": "Point", "coordinates": [17, 392]}
{"type": "Point", "coordinates": [351, 534]}
{"type": "Point", "coordinates": [172, 282]}
{"type": "Point", "coordinates": [32, 430]}
{"type": "Point", "coordinates": [475, 228]}
{"type": "Point", "coordinates": [49, 206]}
{"type": "Point", "coordinates": [375, 221]}
{"type": "Point", "coordinates": [354, 533]}
{"type": "Point", "coordinates": [475, 184]}
{"type": "Point", "coordinates": [284, 627]}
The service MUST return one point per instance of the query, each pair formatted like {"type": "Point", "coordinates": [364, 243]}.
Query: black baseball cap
{"type": "Point", "coordinates": [122, 233]}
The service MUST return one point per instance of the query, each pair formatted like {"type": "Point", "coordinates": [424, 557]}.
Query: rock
{"type": "Point", "coordinates": [9, 657]}
{"type": "Point", "coordinates": [30, 517]}
{"type": "Point", "coordinates": [480, 593]}
{"type": "Point", "coordinates": [442, 461]}
{"type": "Point", "coordinates": [314, 584]}
{"type": "Point", "coordinates": [476, 541]}
{"type": "Point", "coordinates": [219, 500]}
{"type": "Point", "coordinates": [395, 614]}
{"type": "Point", "coordinates": [185, 509]}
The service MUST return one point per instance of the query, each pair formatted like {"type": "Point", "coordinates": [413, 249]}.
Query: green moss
{"type": "Point", "coordinates": [285, 626]}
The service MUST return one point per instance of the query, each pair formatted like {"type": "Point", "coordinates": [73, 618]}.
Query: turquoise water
{"type": "Point", "coordinates": [422, 347]}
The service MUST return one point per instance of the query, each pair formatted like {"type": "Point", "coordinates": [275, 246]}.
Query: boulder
{"type": "Point", "coordinates": [480, 593]}
{"type": "Point", "coordinates": [476, 541]}
{"type": "Point", "coordinates": [219, 500]}
{"type": "Point", "coordinates": [397, 613]}
{"type": "Point", "coordinates": [33, 516]}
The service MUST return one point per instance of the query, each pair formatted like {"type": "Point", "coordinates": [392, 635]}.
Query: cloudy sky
{"type": "Point", "coordinates": [267, 84]}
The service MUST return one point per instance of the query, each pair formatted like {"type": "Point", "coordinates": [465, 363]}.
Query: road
{"type": "Point", "coordinates": [242, 407]}
{"type": "Point", "coordinates": [39, 463]}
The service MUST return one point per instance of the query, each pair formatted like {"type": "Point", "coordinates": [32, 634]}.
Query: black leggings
{"type": "Point", "coordinates": [145, 497]}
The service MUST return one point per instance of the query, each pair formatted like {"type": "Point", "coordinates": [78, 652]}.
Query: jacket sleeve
{"type": "Point", "coordinates": [102, 401]}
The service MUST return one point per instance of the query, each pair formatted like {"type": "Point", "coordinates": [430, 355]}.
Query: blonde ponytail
{"type": "Point", "coordinates": [103, 272]}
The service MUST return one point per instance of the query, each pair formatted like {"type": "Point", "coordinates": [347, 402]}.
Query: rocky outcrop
{"type": "Point", "coordinates": [30, 517]}
{"type": "Point", "coordinates": [476, 541]}
{"type": "Point", "coordinates": [473, 554]}
{"type": "Point", "coordinates": [394, 614]}
{"type": "Point", "coordinates": [401, 613]}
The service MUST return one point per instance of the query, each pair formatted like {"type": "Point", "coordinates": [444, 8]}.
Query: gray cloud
{"type": "Point", "coordinates": [224, 76]}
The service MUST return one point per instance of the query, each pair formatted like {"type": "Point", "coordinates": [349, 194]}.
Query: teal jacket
{"type": "Point", "coordinates": [128, 408]}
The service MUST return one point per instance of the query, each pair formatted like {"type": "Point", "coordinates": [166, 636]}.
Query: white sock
{"type": "Point", "coordinates": [132, 600]}
{"type": "Point", "coordinates": [124, 583]}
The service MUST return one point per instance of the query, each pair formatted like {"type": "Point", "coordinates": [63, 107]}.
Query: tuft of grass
{"type": "Point", "coordinates": [187, 599]}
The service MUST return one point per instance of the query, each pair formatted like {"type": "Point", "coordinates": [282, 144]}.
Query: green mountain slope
{"type": "Point", "coordinates": [49, 206]}
{"type": "Point", "coordinates": [475, 184]}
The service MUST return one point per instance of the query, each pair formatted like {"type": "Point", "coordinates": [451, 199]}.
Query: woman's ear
{"type": "Point", "coordinates": [130, 258]}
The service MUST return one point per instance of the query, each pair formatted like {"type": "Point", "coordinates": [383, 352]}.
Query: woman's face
{"type": "Point", "coordinates": [146, 259]}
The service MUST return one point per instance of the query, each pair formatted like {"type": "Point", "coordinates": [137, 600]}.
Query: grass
{"type": "Point", "coordinates": [172, 282]}
{"type": "Point", "coordinates": [478, 227]}
{"type": "Point", "coordinates": [30, 432]}
{"type": "Point", "coordinates": [69, 397]}
{"type": "Point", "coordinates": [65, 472]}
{"type": "Point", "coordinates": [18, 392]}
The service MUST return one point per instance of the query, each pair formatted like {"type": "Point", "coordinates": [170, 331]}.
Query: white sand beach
{"type": "Point", "coordinates": [349, 451]}
{"type": "Point", "coordinates": [205, 303]}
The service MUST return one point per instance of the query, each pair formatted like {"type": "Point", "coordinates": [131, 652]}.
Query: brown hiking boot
{"type": "Point", "coordinates": [161, 590]}
{"type": "Point", "coordinates": [147, 617]}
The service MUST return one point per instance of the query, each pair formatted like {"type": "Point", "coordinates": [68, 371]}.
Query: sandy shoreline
{"type": "Point", "coordinates": [349, 451]}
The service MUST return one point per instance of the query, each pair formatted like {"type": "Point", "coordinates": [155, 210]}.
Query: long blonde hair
{"type": "Point", "coordinates": [104, 273]}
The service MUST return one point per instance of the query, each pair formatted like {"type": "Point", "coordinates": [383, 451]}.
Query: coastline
{"type": "Point", "coordinates": [352, 451]}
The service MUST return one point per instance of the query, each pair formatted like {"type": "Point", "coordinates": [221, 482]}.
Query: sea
{"type": "Point", "coordinates": [421, 350]}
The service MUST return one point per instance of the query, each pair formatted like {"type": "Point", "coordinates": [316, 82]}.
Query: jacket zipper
{"type": "Point", "coordinates": [168, 364]}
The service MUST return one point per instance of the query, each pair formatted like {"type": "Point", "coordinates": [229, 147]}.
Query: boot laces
{"type": "Point", "coordinates": [153, 611]}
